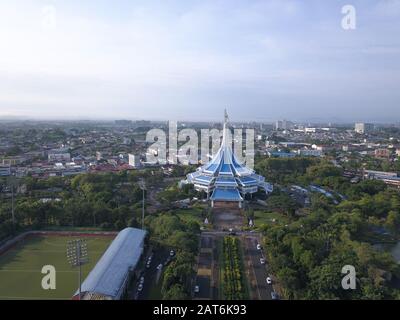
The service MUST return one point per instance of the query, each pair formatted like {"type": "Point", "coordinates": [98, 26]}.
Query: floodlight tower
{"type": "Point", "coordinates": [142, 185]}
{"type": "Point", "coordinates": [77, 255]}
{"type": "Point", "coordinates": [12, 183]}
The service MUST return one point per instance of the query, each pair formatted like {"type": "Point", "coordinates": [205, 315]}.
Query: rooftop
{"type": "Point", "coordinates": [108, 276]}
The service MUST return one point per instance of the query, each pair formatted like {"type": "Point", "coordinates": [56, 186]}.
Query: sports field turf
{"type": "Point", "coordinates": [20, 266]}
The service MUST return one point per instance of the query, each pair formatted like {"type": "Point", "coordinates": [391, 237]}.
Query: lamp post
{"type": "Point", "coordinates": [12, 183]}
{"type": "Point", "coordinates": [77, 255]}
{"type": "Point", "coordinates": [142, 185]}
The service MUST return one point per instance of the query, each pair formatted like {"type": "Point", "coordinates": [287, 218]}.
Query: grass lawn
{"type": "Point", "coordinates": [191, 214]}
{"type": "Point", "coordinates": [263, 217]}
{"type": "Point", "coordinates": [20, 267]}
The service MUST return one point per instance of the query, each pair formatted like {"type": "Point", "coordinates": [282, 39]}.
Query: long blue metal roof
{"type": "Point", "coordinates": [246, 180]}
{"type": "Point", "coordinates": [204, 179]}
{"type": "Point", "coordinates": [220, 194]}
{"type": "Point", "coordinates": [110, 273]}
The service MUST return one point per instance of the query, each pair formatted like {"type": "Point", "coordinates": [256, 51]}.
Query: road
{"type": "Point", "coordinates": [204, 268]}
{"type": "Point", "coordinates": [150, 275]}
{"type": "Point", "coordinates": [257, 272]}
{"type": "Point", "coordinates": [208, 271]}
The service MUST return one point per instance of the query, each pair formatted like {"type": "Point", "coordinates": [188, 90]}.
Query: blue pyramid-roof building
{"type": "Point", "coordinates": [225, 178]}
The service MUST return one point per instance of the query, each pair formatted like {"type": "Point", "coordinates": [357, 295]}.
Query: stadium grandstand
{"type": "Point", "coordinates": [110, 278]}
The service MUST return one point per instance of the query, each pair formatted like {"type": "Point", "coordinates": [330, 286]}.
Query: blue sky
{"type": "Point", "coordinates": [186, 60]}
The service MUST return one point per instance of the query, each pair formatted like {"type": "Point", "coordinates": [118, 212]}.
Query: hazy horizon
{"type": "Point", "coordinates": [264, 60]}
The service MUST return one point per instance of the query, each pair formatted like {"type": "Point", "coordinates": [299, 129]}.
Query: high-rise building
{"type": "Point", "coordinates": [284, 125]}
{"type": "Point", "coordinates": [363, 128]}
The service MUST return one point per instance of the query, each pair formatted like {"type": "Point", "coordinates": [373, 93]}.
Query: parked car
{"type": "Point", "coordinates": [159, 267]}
{"type": "Point", "coordinates": [258, 246]}
{"type": "Point", "coordinates": [171, 253]}
{"type": "Point", "coordinates": [140, 287]}
{"type": "Point", "coordinates": [269, 280]}
{"type": "Point", "coordinates": [148, 263]}
{"type": "Point", "coordinates": [262, 260]}
{"type": "Point", "coordinates": [141, 280]}
{"type": "Point", "coordinates": [196, 289]}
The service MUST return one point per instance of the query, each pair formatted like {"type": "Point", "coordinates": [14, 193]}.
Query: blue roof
{"type": "Point", "coordinates": [225, 164]}
{"type": "Point", "coordinates": [220, 194]}
{"type": "Point", "coordinates": [212, 167]}
{"type": "Point", "coordinates": [110, 273]}
{"type": "Point", "coordinates": [204, 179]}
{"type": "Point", "coordinates": [226, 181]}
{"type": "Point", "coordinates": [247, 180]}
{"type": "Point", "coordinates": [226, 169]}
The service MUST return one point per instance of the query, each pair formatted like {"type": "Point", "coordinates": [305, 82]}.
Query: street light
{"type": "Point", "coordinates": [77, 255]}
{"type": "Point", "coordinates": [12, 183]}
{"type": "Point", "coordinates": [142, 185]}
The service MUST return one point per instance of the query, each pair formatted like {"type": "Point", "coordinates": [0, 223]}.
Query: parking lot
{"type": "Point", "coordinates": [152, 281]}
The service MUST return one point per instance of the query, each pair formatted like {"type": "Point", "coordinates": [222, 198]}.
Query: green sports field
{"type": "Point", "coordinates": [20, 266]}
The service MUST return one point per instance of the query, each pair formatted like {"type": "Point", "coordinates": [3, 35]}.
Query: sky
{"type": "Point", "coordinates": [263, 60]}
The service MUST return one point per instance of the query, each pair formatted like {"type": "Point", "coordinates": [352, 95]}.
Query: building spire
{"type": "Point", "coordinates": [226, 140]}
{"type": "Point", "coordinates": [226, 118]}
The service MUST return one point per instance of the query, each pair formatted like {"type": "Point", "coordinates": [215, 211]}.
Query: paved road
{"type": "Point", "coordinates": [150, 275]}
{"type": "Point", "coordinates": [258, 272]}
{"type": "Point", "coordinates": [204, 270]}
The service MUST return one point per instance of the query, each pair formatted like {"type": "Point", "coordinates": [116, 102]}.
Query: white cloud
{"type": "Point", "coordinates": [183, 55]}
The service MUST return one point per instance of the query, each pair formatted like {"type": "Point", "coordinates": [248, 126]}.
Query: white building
{"type": "Point", "coordinates": [284, 125]}
{"type": "Point", "coordinates": [310, 153]}
{"type": "Point", "coordinates": [310, 130]}
{"type": "Point", "coordinates": [59, 155]}
{"type": "Point", "coordinates": [134, 161]}
{"type": "Point", "coordinates": [363, 128]}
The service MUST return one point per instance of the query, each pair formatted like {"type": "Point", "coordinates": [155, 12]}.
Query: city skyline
{"type": "Point", "coordinates": [157, 60]}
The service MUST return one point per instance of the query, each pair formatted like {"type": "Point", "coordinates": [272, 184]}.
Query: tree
{"type": "Point", "coordinates": [393, 221]}
{"type": "Point", "coordinates": [175, 292]}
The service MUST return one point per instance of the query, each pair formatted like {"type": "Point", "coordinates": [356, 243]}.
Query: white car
{"type": "Point", "coordinates": [141, 280]}
{"type": "Point", "coordinates": [269, 280]}
{"type": "Point", "coordinates": [159, 267]}
{"type": "Point", "coordinates": [171, 253]}
{"type": "Point", "coordinates": [258, 246]}
{"type": "Point", "coordinates": [140, 288]}
{"type": "Point", "coordinates": [262, 260]}
{"type": "Point", "coordinates": [196, 289]}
